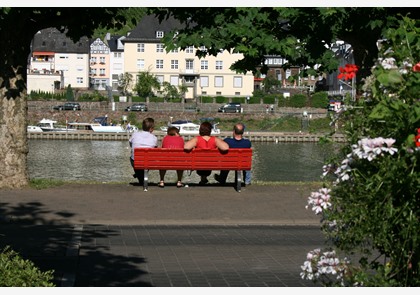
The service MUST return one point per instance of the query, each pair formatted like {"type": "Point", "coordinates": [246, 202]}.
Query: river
{"type": "Point", "coordinates": [108, 161]}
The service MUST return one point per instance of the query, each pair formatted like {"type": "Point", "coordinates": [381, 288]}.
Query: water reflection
{"type": "Point", "coordinates": [108, 161]}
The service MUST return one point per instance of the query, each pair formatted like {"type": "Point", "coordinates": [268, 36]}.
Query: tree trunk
{"type": "Point", "coordinates": [13, 140]}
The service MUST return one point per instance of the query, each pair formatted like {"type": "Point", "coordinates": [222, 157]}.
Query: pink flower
{"type": "Point", "coordinates": [416, 68]}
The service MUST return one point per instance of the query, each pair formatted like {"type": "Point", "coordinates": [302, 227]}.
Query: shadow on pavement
{"type": "Point", "coordinates": [52, 246]}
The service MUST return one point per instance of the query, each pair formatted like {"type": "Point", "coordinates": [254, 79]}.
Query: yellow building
{"type": "Point", "coordinates": [209, 76]}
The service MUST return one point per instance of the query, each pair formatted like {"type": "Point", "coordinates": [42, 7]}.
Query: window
{"type": "Point", "coordinates": [174, 80]}
{"type": "Point", "coordinates": [218, 81]}
{"type": "Point", "coordinates": [174, 64]}
{"type": "Point", "coordinates": [102, 72]}
{"type": "Point", "coordinates": [288, 73]}
{"type": "Point", "coordinates": [80, 56]}
{"type": "Point", "coordinates": [189, 49]}
{"type": "Point", "coordinates": [174, 50]}
{"type": "Point", "coordinates": [204, 65]}
{"type": "Point", "coordinates": [93, 60]}
{"type": "Point", "coordinates": [102, 60]}
{"type": "Point", "coordinates": [159, 47]}
{"type": "Point", "coordinates": [159, 34]}
{"type": "Point", "coordinates": [117, 66]}
{"type": "Point", "coordinates": [160, 79]}
{"type": "Point", "coordinates": [204, 81]}
{"type": "Point", "coordinates": [93, 72]}
{"type": "Point", "coordinates": [219, 65]}
{"type": "Point", "coordinates": [79, 80]}
{"type": "Point", "coordinates": [159, 64]}
{"type": "Point", "coordinates": [140, 64]}
{"type": "Point", "coordinates": [140, 47]}
{"type": "Point", "coordinates": [117, 54]}
{"type": "Point", "coordinates": [278, 75]}
{"type": "Point", "coordinates": [189, 64]}
{"type": "Point", "coordinates": [237, 82]}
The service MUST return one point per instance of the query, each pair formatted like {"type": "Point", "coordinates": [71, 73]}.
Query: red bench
{"type": "Point", "coordinates": [179, 159]}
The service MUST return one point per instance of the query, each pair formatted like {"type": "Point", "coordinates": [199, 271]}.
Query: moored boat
{"type": "Point", "coordinates": [48, 125]}
{"type": "Point", "coordinates": [187, 127]}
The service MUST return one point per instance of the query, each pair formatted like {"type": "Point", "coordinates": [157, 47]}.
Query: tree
{"type": "Point", "coordinates": [124, 81]}
{"type": "Point", "coordinates": [17, 28]}
{"type": "Point", "coordinates": [301, 35]}
{"type": "Point", "coordinates": [146, 83]}
{"type": "Point", "coordinates": [69, 93]}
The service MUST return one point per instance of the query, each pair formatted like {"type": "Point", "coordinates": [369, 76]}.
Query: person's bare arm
{"type": "Point", "coordinates": [189, 145]}
{"type": "Point", "coordinates": [221, 144]}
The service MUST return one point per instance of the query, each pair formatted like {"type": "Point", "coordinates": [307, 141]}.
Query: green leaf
{"type": "Point", "coordinates": [390, 77]}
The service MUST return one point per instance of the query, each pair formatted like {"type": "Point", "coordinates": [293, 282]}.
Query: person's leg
{"type": "Point", "coordinates": [247, 177]}
{"type": "Point", "coordinates": [179, 174]}
{"type": "Point", "coordinates": [162, 178]}
{"type": "Point", "coordinates": [221, 178]}
{"type": "Point", "coordinates": [204, 174]}
{"type": "Point", "coordinates": [139, 173]}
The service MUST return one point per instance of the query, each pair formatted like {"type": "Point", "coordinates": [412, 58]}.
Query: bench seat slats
{"type": "Point", "coordinates": [169, 159]}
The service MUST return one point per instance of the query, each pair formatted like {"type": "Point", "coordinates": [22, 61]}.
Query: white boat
{"type": "Point", "coordinates": [32, 128]}
{"type": "Point", "coordinates": [48, 125]}
{"type": "Point", "coordinates": [99, 125]}
{"type": "Point", "coordinates": [189, 128]}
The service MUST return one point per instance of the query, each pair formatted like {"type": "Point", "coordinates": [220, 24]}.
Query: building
{"type": "Point", "coordinates": [56, 62]}
{"type": "Point", "coordinates": [99, 65]}
{"type": "Point", "coordinates": [210, 76]}
{"type": "Point", "coordinates": [116, 61]}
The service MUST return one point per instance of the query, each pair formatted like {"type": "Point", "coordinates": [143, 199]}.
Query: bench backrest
{"type": "Point", "coordinates": [178, 159]}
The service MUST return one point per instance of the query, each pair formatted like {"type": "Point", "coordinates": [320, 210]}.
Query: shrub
{"type": "Point", "coordinates": [370, 200]}
{"type": "Point", "coordinates": [18, 272]}
{"type": "Point", "coordinates": [319, 100]}
{"type": "Point", "coordinates": [298, 101]}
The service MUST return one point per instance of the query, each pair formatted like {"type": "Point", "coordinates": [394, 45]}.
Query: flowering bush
{"type": "Point", "coordinates": [370, 202]}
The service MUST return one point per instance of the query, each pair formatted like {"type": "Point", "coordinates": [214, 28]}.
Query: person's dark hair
{"type": "Point", "coordinates": [172, 131]}
{"type": "Point", "coordinates": [148, 124]}
{"type": "Point", "coordinates": [205, 128]}
{"type": "Point", "coordinates": [239, 129]}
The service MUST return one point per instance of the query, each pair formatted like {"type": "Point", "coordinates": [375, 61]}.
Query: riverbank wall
{"type": "Point", "coordinates": [275, 137]}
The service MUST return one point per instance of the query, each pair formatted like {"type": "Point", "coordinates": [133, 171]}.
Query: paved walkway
{"type": "Point", "coordinates": [118, 235]}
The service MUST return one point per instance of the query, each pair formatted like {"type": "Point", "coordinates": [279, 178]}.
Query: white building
{"type": "Point", "coordinates": [56, 62]}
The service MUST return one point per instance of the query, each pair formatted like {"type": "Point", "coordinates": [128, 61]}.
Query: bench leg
{"type": "Point", "coordinates": [145, 180]}
{"type": "Point", "coordinates": [238, 177]}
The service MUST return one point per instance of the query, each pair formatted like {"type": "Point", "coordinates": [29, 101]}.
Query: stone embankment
{"type": "Point", "coordinates": [163, 112]}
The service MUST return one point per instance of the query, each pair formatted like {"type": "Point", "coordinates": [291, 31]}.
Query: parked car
{"type": "Point", "coordinates": [232, 107]}
{"type": "Point", "coordinates": [74, 106]}
{"type": "Point", "coordinates": [137, 107]}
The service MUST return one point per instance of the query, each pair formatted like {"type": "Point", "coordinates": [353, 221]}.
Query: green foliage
{"type": "Point", "coordinates": [319, 100]}
{"type": "Point", "coordinates": [298, 101]}
{"type": "Point", "coordinates": [375, 193]}
{"type": "Point", "coordinates": [146, 84]}
{"type": "Point", "coordinates": [207, 99]}
{"type": "Point", "coordinates": [138, 99]}
{"type": "Point", "coordinates": [43, 95]}
{"type": "Point", "coordinates": [270, 99]}
{"type": "Point", "coordinates": [18, 272]}
{"type": "Point", "coordinates": [41, 183]}
{"type": "Point", "coordinates": [69, 93]}
{"type": "Point", "coordinates": [257, 32]}
{"type": "Point", "coordinates": [221, 99]}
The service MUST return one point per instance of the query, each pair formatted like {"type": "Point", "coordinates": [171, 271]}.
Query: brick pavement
{"type": "Point", "coordinates": [117, 235]}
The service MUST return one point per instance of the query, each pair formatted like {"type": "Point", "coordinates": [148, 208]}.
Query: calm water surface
{"type": "Point", "coordinates": [108, 161]}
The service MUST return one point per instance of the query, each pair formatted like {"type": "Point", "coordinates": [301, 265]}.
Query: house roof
{"type": "Point", "coordinates": [146, 29]}
{"type": "Point", "coordinates": [113, 44]}
{"type": "Point", "coordinates": [52, 40]}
